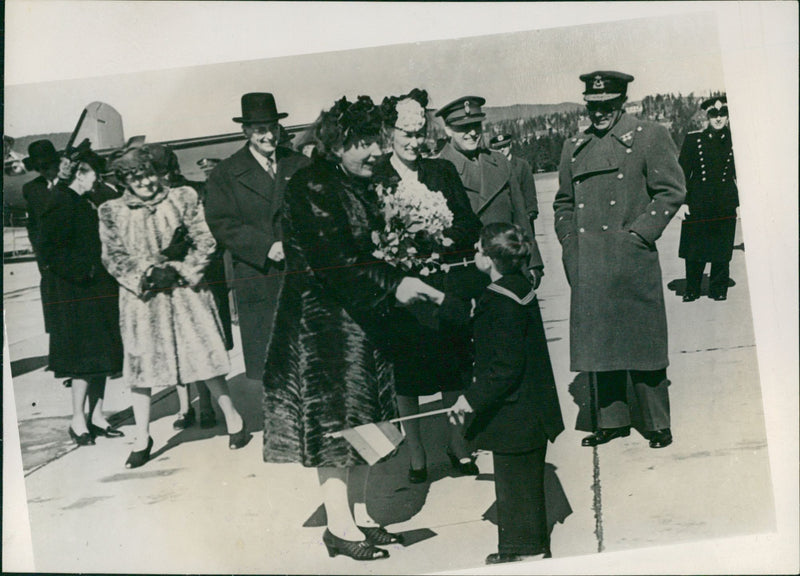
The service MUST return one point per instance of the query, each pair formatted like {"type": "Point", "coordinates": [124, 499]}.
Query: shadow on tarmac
{"type": "Point", "coordinates": [679, 285]}
{"type": "Point", "coordinates": [25, 365]}
{"type": "Point", "coordinates": [556, 503]}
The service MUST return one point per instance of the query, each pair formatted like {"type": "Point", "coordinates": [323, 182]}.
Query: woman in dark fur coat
{"type": "Point", "coordinates": [431, 356]}
{"type": "Point", "coordinates": [326, 369]}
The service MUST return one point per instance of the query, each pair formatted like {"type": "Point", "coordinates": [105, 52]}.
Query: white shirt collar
{"type": "Point", "coordinates": [264, 162]}
{"type": "Point", "coordinates": [402, 170]}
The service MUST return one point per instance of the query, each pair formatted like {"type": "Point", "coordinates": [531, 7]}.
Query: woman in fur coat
{"type": "Point", "coordinates": [326, 367]}
{"type": "Point", "coordinates": [157, 245]}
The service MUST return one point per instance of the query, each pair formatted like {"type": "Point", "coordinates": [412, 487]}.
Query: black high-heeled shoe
{"type": "Point", "coordinates": [379, 536]}
{"type": "Point", "coordinates": [468, 468]}
{"type": "Point", "coordinates": [108, 431]}
{"type": "Point", "coordinates": [358, 550]}
{"type": "Point", "coordinates": [140, 457]}
{"type": "Point", "coordinates": [84, 439]}
{"type": "Point", "coordinates": [240, 438]}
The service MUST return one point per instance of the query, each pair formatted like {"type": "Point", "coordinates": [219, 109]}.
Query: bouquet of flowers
{"type": "Point", "coordinates": [416, 218]}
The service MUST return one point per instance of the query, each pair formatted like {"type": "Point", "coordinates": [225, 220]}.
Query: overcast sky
{"type": "Point", "coordinates": [676, 53]}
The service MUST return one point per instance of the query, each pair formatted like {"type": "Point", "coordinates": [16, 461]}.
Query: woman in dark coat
{"type": "Point", "coordinates": [326, 369]}
{"type": "Point", "coordinates": [431, 356]}
{"type": "Point", "coordinates": [85, 342]}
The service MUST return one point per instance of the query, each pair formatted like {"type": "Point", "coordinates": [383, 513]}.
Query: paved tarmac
{"type": "Point", "coordinates": [198, 507]}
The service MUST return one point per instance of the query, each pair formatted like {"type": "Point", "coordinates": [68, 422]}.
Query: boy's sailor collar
{"type": "Point", "coordinates": [516, 287]}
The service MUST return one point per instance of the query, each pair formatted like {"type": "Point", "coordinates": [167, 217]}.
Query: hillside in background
{"type": "Point", "coordinates": [501, 113]}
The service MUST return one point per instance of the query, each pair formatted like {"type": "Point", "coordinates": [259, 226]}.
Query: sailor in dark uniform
{"type": "Point", "coordinates": [708, 231]}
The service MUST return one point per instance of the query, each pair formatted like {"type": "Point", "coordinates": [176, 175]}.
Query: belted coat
{"type": "Point", "coordinates": [243, 208]}
{"type": "Point", "coordinates": [626, 181]}
{"type": "Point", "coordinates": [708, 232]}
{"type": "Point", "coordinates": [493, 192]}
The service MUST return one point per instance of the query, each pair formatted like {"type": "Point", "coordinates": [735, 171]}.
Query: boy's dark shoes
{"type": "Point", "coordinates": [500, 557]}
{"type": "Point", "coordinates": [660, 438]}
{"type": "Point", "coordinates": [606, 435]}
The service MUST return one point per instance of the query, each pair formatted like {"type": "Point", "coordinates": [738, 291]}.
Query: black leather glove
{"type": "Point", "coordinates": [179, 246]}
{"type": "Point", "coordinates": [162, 279]}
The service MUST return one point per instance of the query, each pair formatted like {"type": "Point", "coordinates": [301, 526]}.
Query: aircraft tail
{"type": "Point", "coordinates": [101, 124]}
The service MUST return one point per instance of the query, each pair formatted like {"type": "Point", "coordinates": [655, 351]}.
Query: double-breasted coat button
{"type": "Point", "coordinates": [652, 213]}
{"type": "Point", "coordinates": [620, 176]}
{"type": "Point", "coordinates": [666, 212]}
{"type": "Point", "coordinates": [613, 202]}
{"type": "Point", "coordinates": [605, 227]}
{"type": "Point", "coordinates": [704, 179]}
{"type": "Point", "coordinates": [638, 128]}
{"type": "Point", "coordinates": [572, 160]}
{"type": "Point", "coordinates": [580, 205]}
{"type": "Point", "coordinates": [628, 151]}
{"type": "Point", "coordinates": [581, 230]}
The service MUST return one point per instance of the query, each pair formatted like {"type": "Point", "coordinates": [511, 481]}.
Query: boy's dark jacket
{"type": "Point", "coordinates": [513, 392]}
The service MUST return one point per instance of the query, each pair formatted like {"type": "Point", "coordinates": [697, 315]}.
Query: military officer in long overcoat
{"type": "Point", "coordinates": [707, 233]}
{"type": "Point", "coordinates": [619, 186]}
{"type": "Point", "coordinates": [243, 207]}
{"type": "Point", "coordinates": [493, 192]}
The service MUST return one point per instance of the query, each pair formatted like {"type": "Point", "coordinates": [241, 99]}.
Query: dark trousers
{"type": "Point", "coordinates": [521, 516]}
{"type": "Point", "coordinates": [718, 285]}
{"type": "Point", "coordinates": [652, 395]}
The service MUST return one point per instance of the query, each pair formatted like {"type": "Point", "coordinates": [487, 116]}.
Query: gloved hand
{"type": "Point", "coordinates": [179, 246]}
{"type": "Point", "coordinates": [162, 279]}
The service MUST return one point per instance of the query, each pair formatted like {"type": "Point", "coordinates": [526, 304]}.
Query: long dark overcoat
{"type": "Point", "coordinates": [523, 174]}
{"type": "Point", "coordinates": [707, 234]}
{"type": "Point", "coordinates": [626, 181]}
{"type": "Point", "coordinates": [493, 193]}
{"type": "Point", "coordinates": [36, 193]}
{"type": "Point", "coordinates": [243, 205]}
{"type": "Point", "coordinates": [326, 369]}
{"type": "Point", "coordinates": [432, 357]}
{"type": "Point", "coordinates": [83, 317]}
{"type": "Point", "coordinates": [513, 392]}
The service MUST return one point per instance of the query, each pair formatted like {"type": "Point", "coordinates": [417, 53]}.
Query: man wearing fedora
{"type": "Point", "coordinates": [521, 171]}
{"type": "Point", "coordinates": [243, 210]}
{"type": "Point", "coordinates": [707, 233]}
{"type": "Point", "coordinates": [486, 174]}
{"type": "Point", "coordinates": [619, 186]}
{"type": "Point", "coordinates": [42, 158]}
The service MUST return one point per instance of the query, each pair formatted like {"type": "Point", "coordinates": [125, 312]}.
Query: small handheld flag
{"type": "Point", "coordinates": [375, 440]}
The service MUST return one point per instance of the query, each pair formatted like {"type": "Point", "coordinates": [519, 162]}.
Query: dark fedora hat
{"type": "Point", "coordinates": [259, 107]}
{"type": "Point", "coordinates": [41, 154]}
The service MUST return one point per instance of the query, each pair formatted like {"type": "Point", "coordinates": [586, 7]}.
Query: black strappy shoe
{"type": "Point", "coordinates": [379, 536]}
{"type": "Point", "coordinates": [359, 550]}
